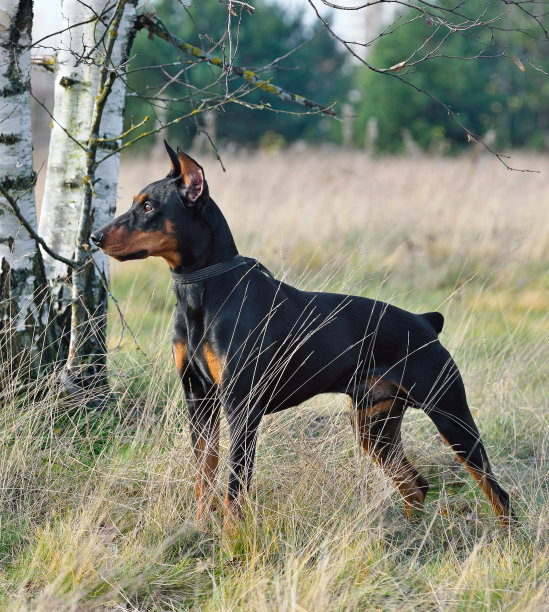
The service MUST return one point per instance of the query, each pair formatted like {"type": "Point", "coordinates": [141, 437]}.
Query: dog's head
{"type": "Point", "coordinates": [165, 218]}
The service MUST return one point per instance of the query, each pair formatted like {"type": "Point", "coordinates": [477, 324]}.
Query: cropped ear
{"type": "Point", "coordinates": [175, 169]}
{"type": "Point", "coordinates": [193, 178]}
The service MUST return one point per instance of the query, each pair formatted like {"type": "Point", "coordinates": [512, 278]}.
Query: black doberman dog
{"type": "Point", "coordinates": [255, 345]}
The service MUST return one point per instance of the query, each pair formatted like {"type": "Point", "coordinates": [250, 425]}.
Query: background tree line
{"type": "Point", "coordinates": [466, 72]}
{"type": "Point", "coordinates": [313, 65]}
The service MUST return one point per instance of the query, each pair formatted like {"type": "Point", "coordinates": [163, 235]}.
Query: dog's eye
{"type": "Point", "coordinates": [148, 207]}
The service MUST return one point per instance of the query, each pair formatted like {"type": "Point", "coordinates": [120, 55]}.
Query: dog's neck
{"type": "Point", "coordinates": [221, 246]}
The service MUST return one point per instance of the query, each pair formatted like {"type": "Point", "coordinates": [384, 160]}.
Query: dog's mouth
{"type": "Point", "coordinates": [129, 256]}
{"type": "Point", "coordinates": [124, 245]}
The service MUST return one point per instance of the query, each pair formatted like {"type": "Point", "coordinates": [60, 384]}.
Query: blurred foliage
{"type": "Point", "coordinates": [314, 71]}
{"type": "Point", "coordinates": [487, 93]}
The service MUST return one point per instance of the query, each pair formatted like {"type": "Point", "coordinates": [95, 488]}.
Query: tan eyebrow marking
{"type": "Point", "coordinates": [142, 198]}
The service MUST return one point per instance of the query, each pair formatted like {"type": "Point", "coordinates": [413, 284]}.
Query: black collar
{"type": "Point", "coordinates": [188, 278]}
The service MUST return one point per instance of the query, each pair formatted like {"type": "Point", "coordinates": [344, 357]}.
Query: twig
{"type": "Point", "coordinates": [67, 133]}
{"type": "Point", "coordinates": [30, 230]}
{"type": "Point", "coordinates": [201, 109]}
{"type": "Point", "coordinates": [44, 61]}
{"type": "Point", "coordinates": [70, 27]}
{"type": "Point", "coordinates": [117, 306]}
{"type": "Point", "coordinates": [131, 129]}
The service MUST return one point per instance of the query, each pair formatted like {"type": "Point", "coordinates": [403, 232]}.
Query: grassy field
{"type": "Point", "coordinates": [97, 508]}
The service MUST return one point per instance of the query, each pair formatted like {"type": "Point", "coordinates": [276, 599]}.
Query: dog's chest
{"type": "Point", "coordinates": [191, 330]}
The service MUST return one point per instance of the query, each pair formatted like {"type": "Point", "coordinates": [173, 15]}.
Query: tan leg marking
{"type": "Point", "coordinates": [485, 486]}
{"type": "Point", "coordinates": [387, 452]}
{"type": "Point", "coordinates": [179, 354]}
{"type": "Point", "coordinates": [215, 364]}
{"type": "Point", "coordinates": [207, 450]}
{"type": "Point", "coordinates": [207, 459]}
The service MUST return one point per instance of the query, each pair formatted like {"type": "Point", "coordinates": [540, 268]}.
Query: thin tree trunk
{"type": "Point", "coordinates": [69, 182]}
{"type": "Point", "coordinates": [23, 303]}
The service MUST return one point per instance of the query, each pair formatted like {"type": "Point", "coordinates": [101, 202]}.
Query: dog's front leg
{"type": "Point", "coordinates": [204, 424]}
{"type": "Point", "coordinates": [243, 437]}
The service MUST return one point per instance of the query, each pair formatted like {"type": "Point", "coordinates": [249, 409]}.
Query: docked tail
{"type": "Point", "coordinates": [435, 320]}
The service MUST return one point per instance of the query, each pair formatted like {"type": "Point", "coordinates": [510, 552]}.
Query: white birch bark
{"type": "Point", "coordinates": [21, 280]}
{"type": "Point", "coordinates": [75, 91]}
{"type": "Point", "coordinates": [76, 85]}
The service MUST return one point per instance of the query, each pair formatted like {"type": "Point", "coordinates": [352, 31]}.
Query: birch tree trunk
{"type": "Point", "coordinates": [23, 304]}
{"type": "Point", "coordinates": [77, 76]}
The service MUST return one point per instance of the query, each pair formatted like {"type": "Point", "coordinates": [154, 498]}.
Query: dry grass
{"type": "Point", "coordinates": [97, 508]}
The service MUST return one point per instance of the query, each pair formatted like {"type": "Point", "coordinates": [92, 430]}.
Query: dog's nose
{"type": "Point", "coordinates": [98, 238]}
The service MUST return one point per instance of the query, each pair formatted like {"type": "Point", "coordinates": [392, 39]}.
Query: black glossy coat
{"type": "Point", "coordinates": [255, 345]}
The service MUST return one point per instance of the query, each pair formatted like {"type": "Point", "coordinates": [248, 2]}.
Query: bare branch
{"type": "Point", "coordinates": [70, 27]}
{"type": "Point", "coordinates": [17, 212]}
{"type": "Point", "coordinates": [461, 27]}
{"type": "Point", "coordinates": [44, 61]}
{"type": "Point", "coordinates": [50, 114]}
{"type": "Point", "coordinates": [123, 321]}
{"type": "Point", "coordinates": [155, 26]}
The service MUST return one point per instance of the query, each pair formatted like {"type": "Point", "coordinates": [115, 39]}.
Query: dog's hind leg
{"type": "Point", "coordinates": [440, 392]}
{"type": "Point", "coordinates": [458, 429]}
{"type": "Point", "coordinates": [437, 387]}
{"type": "Point", "coordinates": [377, 429]}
